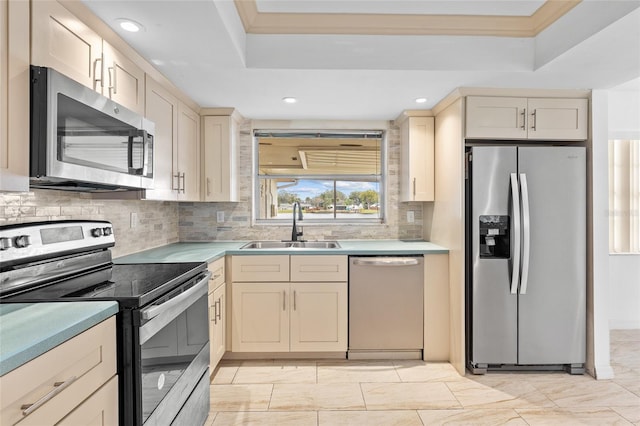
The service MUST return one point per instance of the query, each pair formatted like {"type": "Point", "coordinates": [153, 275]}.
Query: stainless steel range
{"type": "Point", "coordinates": [163, 338]}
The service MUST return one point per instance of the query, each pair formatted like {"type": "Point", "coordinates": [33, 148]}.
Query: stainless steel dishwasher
{"type": "Point", "coordinates": [386, 307]}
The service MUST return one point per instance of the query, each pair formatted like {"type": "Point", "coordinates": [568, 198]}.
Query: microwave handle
{"type": "Point", "coordinates": [137, 170]}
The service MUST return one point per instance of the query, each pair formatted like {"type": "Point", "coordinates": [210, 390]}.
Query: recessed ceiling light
{"type": "Point", "coordinates": [289, 100]}
{"type": "Point", "coordinates": [421, 100]}
{"type": "Point", "coordinates": [129, 25]}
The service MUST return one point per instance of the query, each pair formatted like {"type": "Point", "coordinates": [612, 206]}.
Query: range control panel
{"type": "Point", "coordinates": [27, 240]}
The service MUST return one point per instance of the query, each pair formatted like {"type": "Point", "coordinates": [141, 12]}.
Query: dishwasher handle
{"type": "Point", "coordinates": [385, 261]}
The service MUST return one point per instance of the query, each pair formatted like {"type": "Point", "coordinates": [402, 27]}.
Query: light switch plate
{"type": "Point", "coordinates": [134, 220]}
{"type": "Point", "coordinates": [410, 216]}
{"type": "Point", "coordinates": [220, 217]}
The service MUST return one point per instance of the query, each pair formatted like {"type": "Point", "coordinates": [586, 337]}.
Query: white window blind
{"type": "Point", "coordinates": [624, 196]}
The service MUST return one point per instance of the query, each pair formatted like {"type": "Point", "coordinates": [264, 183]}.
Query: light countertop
{"type": "Point", "coordinates": [210, 251]}
{"type": "Point", "coordinates": [27, 330]}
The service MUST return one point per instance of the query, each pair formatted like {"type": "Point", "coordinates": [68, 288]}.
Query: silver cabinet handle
{"type": "Point", "coordinates": [386, 261]}
{"type": "Point", "coordinates": [524, 119]}
{"type": "Point", "coordinates": [212, 313]}
{"type": "Point", "coordinates": [182, 176]}
{"type": "Point", "coordinates": [95, 69]}
{"type": "Point", "coordinates": [533, 122]}
{"type": "Point", "coordinates": [526, 231]}
{"type": "Point", "coordinates": [414, 187]}
{"type": "Point", "coordinates": [208, 186]}
{"type": "Point", "coordinates": [515, 204]}
{"type": "Point", "coordinates": [284, 300]}
{"type": "Point", "coordinates": [112, 81]}
{"type": "Point", "coordinates": [294, 300]}
{"type": "Point", "coordinates": [218, 310]}
{"type": "Point", "coordinates": [57, 388]}
{"type": "Point", "coordinates": [177, 178]}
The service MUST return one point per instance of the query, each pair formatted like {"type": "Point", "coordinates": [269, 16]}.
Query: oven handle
{"type": "Point", "coordinates": [163, 314]}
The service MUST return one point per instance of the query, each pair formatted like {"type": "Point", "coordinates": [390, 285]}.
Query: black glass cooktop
{"type": "Point", "coordinates": [132, 285]}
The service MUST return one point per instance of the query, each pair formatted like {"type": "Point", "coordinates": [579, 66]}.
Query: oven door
{"type": "Point", "coordinates": [174, 340]}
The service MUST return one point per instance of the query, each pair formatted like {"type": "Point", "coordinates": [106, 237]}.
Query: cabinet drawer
{"type": "Point", "coordinates": [260, 268]}
{"type": "Point", "coordinates": [100, 409]}
{"type": "Point", "coordinates": [78, 367]}
{"type": "Point", "coordinates": [217, 274]}
{"type": "Point", "coordinates": [319, 268]}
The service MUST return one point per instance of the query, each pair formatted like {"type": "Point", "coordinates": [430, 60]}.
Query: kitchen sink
{"type": "Point", "coordinates": [291, 245]}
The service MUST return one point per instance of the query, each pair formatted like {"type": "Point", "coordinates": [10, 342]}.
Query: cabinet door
{"type": "Point", "coordinates": [14, 96]}
{"type": "Point", "coordinates": [162, 108]}
{"type": "Point", "coordinates": [218, 337]}
{"type": "Point", "coordinates": [100, 409]}
{"type": "Point", "coordinates": [123, 80]}
{"type": "Point", "coordinates": [62, 41]}
{"type": "Point", "coordinates": [558, 119]}
{"type": "Point", "coordinates": [496, 118]}
{"type": "Point", "coordinates": [260, 317]}
{"type": "Point", "coordinates": [220, 158]}
{"type": "Point", "coordinates": [318, 317]}
{"type": "Point", "coordinates": [188, 147]}
{"type": "Point", "coordinates": [417, 159]}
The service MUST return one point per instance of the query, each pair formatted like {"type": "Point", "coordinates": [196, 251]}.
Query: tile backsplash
{"type": "Point", "coordinates": [157, 220]}
{"type": "Point", "coordinates": [164, 222]}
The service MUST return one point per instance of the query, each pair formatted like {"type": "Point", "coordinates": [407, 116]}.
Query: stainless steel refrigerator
{"type": "Point", "coordinates": [526, 257]}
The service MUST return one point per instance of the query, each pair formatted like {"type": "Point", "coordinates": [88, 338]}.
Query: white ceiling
{"type": "Point", "coordinates": [202, 47]}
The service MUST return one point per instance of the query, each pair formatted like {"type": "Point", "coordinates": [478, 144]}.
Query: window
{"type": "Point", "coordinates": [624, 196]}
{"type": "Point", "coordinates": [334, 176]}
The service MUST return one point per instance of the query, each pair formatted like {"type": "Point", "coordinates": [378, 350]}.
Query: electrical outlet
{"type": "Point", "coordinates": [134, 219]}
{"type": "Point", "coordinates": [220, 217]}
{"type": "Point", "coordinates": [410, 216]}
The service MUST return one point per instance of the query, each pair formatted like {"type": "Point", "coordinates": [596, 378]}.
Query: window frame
{"type": "Point", "coordinates": [382, 194]}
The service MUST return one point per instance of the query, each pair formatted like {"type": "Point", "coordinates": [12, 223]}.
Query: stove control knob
{"type": "Point", "coordinates": [5, 243]}
{"type": "Point", "coordinates": [22, 241]}
{"type": "Point", "coordinates": [96, 232]}
{"type": "Point", "coordinates": [107, 231]}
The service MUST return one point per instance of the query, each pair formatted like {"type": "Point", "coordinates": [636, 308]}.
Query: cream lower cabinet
{"type": "Point", "coordinates": [292, 316]}
{"type": "Point", "coordinates": [73, 383]}
{"type": "Point", "coordinates": [217, 313]}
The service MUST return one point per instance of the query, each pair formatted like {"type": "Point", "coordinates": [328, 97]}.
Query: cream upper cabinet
{"type": "Point", "coordinates": [289, 316]}
{"type": "Point", "coordinates": [63, 42]}
{"type": "Point", "coordinates": [220, 141]}
{"type": "Point", "coordinates": [123, 80]}
{"type": "Point", "coordinates": [14, 95]}
{"type": "Point", "coordinates": [55, 386]}
{"type": "Point", "coordinates": [526, 118]}
{"type": "Point", "coordinates": [417, 159]}
{"type": "Point", "coordinates": [176, 146]}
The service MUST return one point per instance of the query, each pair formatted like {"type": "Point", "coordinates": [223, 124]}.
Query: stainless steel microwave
{"type": "Point", "coordinates": [83, 141]}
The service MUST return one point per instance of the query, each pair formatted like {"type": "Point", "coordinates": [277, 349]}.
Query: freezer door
{"type": "Point", "coordinates": [493, 308]}
{"type": "Point", "coordinates": [552, 311]}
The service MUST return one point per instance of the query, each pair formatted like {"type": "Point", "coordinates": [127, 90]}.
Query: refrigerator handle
{"type": "Point", "coordinates": [515, 259]}
{"type": "Point", "coordinates": [526, 231]}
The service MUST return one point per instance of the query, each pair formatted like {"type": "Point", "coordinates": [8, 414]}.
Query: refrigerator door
{"type": "Point", "coordinates": [552, 309]}
{"type": "Point", "coordinates": [493, 308]}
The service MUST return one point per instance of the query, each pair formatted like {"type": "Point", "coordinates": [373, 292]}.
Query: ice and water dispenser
{"type": "Point", "coordinates": [494, 237]}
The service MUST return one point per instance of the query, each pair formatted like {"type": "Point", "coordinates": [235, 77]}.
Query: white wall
{"type": "Point", "coordinates": [624, 270]}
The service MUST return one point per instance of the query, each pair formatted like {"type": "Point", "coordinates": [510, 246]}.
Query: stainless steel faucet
{"type": "Point", "coordinates": [294, 231]}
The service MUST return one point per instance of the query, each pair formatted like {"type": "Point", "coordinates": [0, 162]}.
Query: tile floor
{"type": "Point", "coordinates": [405, 393]}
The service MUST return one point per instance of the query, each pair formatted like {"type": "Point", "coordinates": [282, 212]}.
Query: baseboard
{"type": "Point", "coordinates": [624, 324]}
{"type": "Point", "coordinates": [604, 372]}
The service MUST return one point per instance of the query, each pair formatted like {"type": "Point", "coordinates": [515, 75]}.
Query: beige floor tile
{"type": "Point", "coordinates": [277, 372]}
{"type": "Point", "coordinates": [225, 373]}
{"type": "Point", "coordinates": [267, 418]}
{"type": "Point", "coordinates": [632, 414]}
{"type": "Point", "coordinates": [476, 417]}
{"type": "Point", "coordinates": [632, 385]}
{"type": "Point", "coordinates": [624, 335]}
{"type": "Point", "coordinates": [408, 396]}
{"type": "Point", "coordinates": [335, 396]}
{"type": "Point", "coordinates": [356, 372]}
{"type": "Point", "coordinates": [574, 416]}
{"type": "Point", "coordinates": [498, 392]}
{"type": "Point", "coordinates": [420, 371]}
{"type": "Point", "coordinates": [369, 418]}
{"type": "Point", "coordinates": [210, 419]}
{"type": "Point", "coordinates": [240, 397]}
{"type": "Point", "coordinates": [589, 394]}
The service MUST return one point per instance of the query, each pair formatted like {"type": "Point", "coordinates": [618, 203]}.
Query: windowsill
{"type": "Point", "coordinates": [302, 224]}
